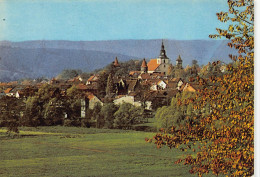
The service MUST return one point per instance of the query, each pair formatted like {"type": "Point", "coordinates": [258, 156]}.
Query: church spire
{"type": "Point", "coordinates": [116, 64]}
{"type": "Point", "coordinates": [179, 62]}
{"type": "Point", "coordinates": [162, 52]}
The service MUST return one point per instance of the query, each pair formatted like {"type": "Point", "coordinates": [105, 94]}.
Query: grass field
{"type": "Point", "coordinates": [71, 151]}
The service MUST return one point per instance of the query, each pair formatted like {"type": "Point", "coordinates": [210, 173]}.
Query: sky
{"type": "Point", "coordinates": [91, 20]}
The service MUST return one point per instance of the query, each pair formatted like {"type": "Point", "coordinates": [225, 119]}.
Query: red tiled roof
{"type": "Point", "coordinates": [93, 78]}
{"type": "Point", "coordinates": [8, 90]}
{"type": "Point", "coordinates": [90, 97]}
{"type": "Point", "coordinates": [81, 87]}
{"type": "Point", "coordinates": [145, 76]}
{"type": "Point", "coordinates": [152, 65]}
{"type": "Point", "coordinates": [131, 73]}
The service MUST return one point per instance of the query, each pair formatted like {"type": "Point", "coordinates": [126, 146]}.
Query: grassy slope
{"type": "Point", "coordinates": [69, 151]}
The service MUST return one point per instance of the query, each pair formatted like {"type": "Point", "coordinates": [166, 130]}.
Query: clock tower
{"type": "Point", "coordinates": [162, 57]}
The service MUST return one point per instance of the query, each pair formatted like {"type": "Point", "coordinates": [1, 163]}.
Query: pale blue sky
{"type": "Point", "coordinates": [90, 20]}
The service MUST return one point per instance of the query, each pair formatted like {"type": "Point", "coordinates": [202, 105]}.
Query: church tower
{"type": "Point", "coordinates": [179, 63]}
{"type": "Point", "coordinates": [160, 64]}
{"type": "Point", "coordinates": [162, 57]}
{"type": "Point", "coordinates": [144, 67]}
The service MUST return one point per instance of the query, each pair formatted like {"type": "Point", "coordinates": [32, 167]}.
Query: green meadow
{"type": "Point", "coordinates": [71, 151]}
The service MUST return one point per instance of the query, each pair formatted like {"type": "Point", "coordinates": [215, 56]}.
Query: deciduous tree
{"type": "Point", "coordinates": [225, 134]}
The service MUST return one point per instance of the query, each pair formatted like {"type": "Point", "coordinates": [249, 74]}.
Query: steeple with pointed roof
{"type": "Point", "coordinates": [163, 52]}
{"type": "Point", "coordinates": [144, 67]}
{"type": "Point", "coordinates": [116, 64]}
{"type": "Point", "coordinates": [179, 62]}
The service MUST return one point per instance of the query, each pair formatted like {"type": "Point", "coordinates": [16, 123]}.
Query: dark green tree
{"type": "Point", "coordinates": [110, 85]}
{"type": "Point", "coordinates": [10, 113]}
{"type": "Point", "coordinates": [102, 84]}
{"type": "Point", "coordinates": [107, 111]}
{"type": "Point", "coordinates": [127, 115]}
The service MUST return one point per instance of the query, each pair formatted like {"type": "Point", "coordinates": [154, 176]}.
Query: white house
{"type": "Point", "coordinates": [162, 84]}
{"type": "Point", "coordinates": [131, 100]}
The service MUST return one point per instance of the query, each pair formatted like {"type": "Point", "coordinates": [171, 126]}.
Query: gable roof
{"type": "Point", "coordinates": [176, 79]}
{"type": "Point", "coordinates": [144, 76]}
{"type": "Point", "coordinates": [93, 78]}
{"type": "Point", "coordinates": [8, 90]}
{"type": "Point", "coordinates": [91, 96]}
{"type": "Point", "coordinates": [132, 73]}
{"type": "Point", "coordinates": [131, 84]}
{"type": "Point", "coordinates": [172, 85]}
{"type": "Point", "coordinates": [152, 65]}
{"type": "Point", "coordinates": [144, 64]}
{"type": "Point", "coordinates": [81, 87]}
{"type": "Point", "coordinates": [189, 87]}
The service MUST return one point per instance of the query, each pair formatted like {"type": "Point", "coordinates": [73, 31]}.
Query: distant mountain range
{"type": "Point", "coordinates": [34, 59]}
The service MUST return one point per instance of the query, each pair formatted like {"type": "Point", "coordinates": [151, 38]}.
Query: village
{"type": "Point", "coordinates": [150, 87]}
{"type": "Point", "coordinates": [127, 88]}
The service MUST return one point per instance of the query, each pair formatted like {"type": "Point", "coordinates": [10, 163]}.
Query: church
{"type": "Point", "coordinates": [160, 64]}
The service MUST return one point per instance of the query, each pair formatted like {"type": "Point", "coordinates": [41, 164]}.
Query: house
{"type": "Point", "coordinates": [82, 87]}
{"type": "Point", "coordinates": [54, 81]}
{"type": "Point", "coordinates": [93, 100]}
{"type": "Point", "coordinates": [144, 76]}
{"type": "Point", "coordinates": [19, 94]}
{"type": "Point", "coordinates": [132, 85]}
{"type": "Point", "coordinates": [154, 87]}
{"type": "Point", "coordinates": [92, 79]}
{"type": "Point", "coordinates": [121, 86]}
{"type": "Point", "coordinates": [132, 100]}
{"type": "Point", "coordinates": [189, 88]}
{"type": "Point", "coordinates": [161, 84]}
{"type": "Point", "coordinates": [180, 82]}
{"type": "Point", "coordinates": [75, 80]}
{"type": "Point", "coordinates": [9, 92]}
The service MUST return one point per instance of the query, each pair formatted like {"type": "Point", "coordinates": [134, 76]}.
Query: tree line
{"type": "Point", "coordinates": [49, 107]}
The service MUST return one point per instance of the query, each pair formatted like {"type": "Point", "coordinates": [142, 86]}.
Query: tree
{"type": "Point", "coordinates": [102, 84]}
{"type": "Point", "coordinates": [110, 85]}
{"type": "Point", "coordinates": [38, 105]}
{"type": "Point", "coordinates": [173, 115]}
{"type": "Point", "coordinates": [127, 115]}
{"type": "Point", "coordinates": [72, 105]}
{"type": "Point", "coordinates": [97, 117]}
{"type": "Point", "coordinates": [171, 71]}
{"type": "Point", "coordinates": [54, 112]}
{"type": "Point", "coordinates": [10, 113]}
{"type": "Point", "coordinates": [32, 115]}
{"type": "Point", "coordinates": [69, 74]}
{"type": "Point", "coordinates": [225, 134]}
{"type": "Point", "coordinates": [107, 111]}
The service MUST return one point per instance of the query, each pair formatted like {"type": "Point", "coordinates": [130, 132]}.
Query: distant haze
{"type": "Point", "coordinates": [48, 58]}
